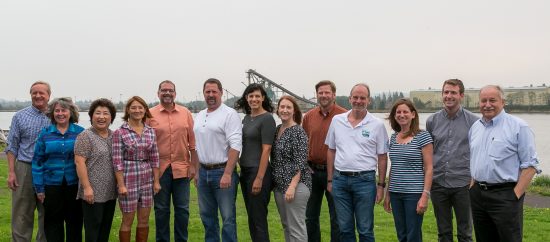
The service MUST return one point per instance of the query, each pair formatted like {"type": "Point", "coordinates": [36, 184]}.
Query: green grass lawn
{"type": "Point", "coordinates": [536, 221]}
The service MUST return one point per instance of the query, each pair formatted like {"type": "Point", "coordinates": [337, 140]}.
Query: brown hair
{"type": "Point", "coordinates": [213, 81]}
{"type": "Point", "coordinates": [297, 113]}
{"type": "Point", "coordinates": [454, 82]}
{"type": "Point", "coordinates": [324, 83]}
{"type": "Point", "coordinates": [140, 101]}
{"type": "Point", "coordinates": [415, 123]}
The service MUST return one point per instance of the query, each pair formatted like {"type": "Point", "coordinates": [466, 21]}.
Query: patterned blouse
{"type": "Point", "coordinates": [97, 151]}
{"type": "Point", "coordinates": [128, 145]}
{"type": "Point", "coordinates": [288, 156]}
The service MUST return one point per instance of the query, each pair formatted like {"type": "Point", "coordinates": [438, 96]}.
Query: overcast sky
{"type": "Point", "coordinates": [116, 49]}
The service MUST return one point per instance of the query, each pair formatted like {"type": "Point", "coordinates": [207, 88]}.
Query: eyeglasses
{"type": "Point", "coordinates": [167, 90]}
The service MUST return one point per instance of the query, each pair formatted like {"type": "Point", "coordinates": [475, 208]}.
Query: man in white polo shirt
{"type": "Point", "coordinates": [358, 145]}
{"type": "Point", "coordinates": [218, 136]}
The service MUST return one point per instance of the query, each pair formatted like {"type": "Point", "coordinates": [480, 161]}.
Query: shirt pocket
{"type": "Point", "coordinates": [499, 150]}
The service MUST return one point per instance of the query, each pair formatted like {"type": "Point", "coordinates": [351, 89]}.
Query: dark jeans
{"type": "Point", "coordinates": [445, 200]}
{"type": "Point", "coordinates": [408, 224]}
{"type": "Point", "coordinates": [256, 205]}
{"type": "Point", "coordinates": [319, 188]}
{"type": "Point", "coordinates": [497, 214]}
{"type": "Point", "coordinates": [98, 218]}
{"type": "Point", "coordinates": [178, 190]}
{"type": "Point", "coordinates": [62, 209]}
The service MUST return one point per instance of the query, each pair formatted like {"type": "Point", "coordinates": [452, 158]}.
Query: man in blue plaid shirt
{"type": "Point", "coordinates": [25, 127]}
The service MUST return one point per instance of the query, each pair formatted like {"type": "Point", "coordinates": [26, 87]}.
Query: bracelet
{"type": "Point", "coordinates": [427, 193]}
{"type": "Point", "coordinates": [329, 181]}
{"type": "Point", "coordinates": [381, 184]}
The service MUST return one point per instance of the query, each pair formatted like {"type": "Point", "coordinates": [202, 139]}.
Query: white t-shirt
{"type": "Point", "coordinates": [216, 132]}
{"type": "Point", "coordinates": [357, 149]}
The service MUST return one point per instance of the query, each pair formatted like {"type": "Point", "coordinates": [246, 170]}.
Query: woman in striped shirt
{"type": "Point", "coordinates": [410, 153]}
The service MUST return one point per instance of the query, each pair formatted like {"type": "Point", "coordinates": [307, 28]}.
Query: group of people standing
{"type": "Point", "coordinates": [467, 165]}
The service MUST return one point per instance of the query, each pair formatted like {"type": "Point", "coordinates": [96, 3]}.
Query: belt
{"type": "Point", "coordinates": [213, 166]}
{"type": "Point", "coordinates": [353, 173]}
{"type": "Point", "coordinates": [138, 160]}
{"type": "Point", "coordinates": [490, 186]}
{"type": "Point", "coordinates": [317, 166]}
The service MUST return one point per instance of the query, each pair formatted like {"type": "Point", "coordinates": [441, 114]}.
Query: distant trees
{"type": "Point", "coordinates": [382, 101]}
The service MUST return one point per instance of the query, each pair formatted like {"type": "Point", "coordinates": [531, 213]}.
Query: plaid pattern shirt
{"type": "Point", "coordinates": [24, 129]}
{"type": "Point", "coordinates": [128, 145]}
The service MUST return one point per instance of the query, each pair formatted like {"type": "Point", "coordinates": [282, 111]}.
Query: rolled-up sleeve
{"type": "Point", "coordinates": [526, 149]}
{"type": "Point", "coordinates": [330, 141]}
{"type": "Point", "coordinates": [118, 164]}
{"type": "Point", "coordinates": [37, 164]}
{"type": "Point", "coordinates": [14, 137]}
{"type": "Point", "coordinates": [154, 152]}
{"type": "Point", "coordinates": [233, 132]}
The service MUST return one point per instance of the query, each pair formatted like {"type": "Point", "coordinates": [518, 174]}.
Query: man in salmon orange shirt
{"type": "Point", "coordinates": [316, 123]}
{"type": "Point", "coordinates": [173, 126]}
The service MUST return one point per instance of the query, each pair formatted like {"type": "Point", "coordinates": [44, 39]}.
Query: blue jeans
{"type": "Point", "coordinates": [179, 191]}
{"type": "Point", "coordinates": [319, 188]}
{"type": "Point", "coordinates": [354, 198]}
{"type": "Point", "coordinates": [212, 198]}
{"type": "Point", "coordinates": [408, 224]}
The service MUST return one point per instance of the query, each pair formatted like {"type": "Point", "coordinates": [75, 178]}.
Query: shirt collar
{"type": "Point", "coordinates": [330, 110]}
{"type": "Point", "coordinates": [458, 113]}
{"type": "Point", "coordinates": [176, 108]}
{"type": "Point", "coordinates": [495, 119]}
{"type": "Point", "coordinates": [53, 128]}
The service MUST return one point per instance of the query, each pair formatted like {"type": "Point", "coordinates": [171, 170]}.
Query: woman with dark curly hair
{"type": "Point", "coordinates": [94, 165]}
{"type": "Point", "coordinates": [136, 164]}
{"type": "Point", "coordinates": [258, 136]}
{"type": "Point", "coordinates": [54, 172]}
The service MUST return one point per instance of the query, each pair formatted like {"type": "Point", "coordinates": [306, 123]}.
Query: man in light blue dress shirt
{"type": "Point", "coordinates": [503, 162]}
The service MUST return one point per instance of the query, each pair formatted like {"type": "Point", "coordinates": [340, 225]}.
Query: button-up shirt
{"type": "Point", "coordinates": [451, 155]}
{"type": "Point", "coordinates": [129, 145]}
{"type": "Point", "coordinates": [500, 148]}
{"type": "Point", "coordinates": [25, 127]}
{"type": "Point", "coordinates": [175, 138]}
{"type": "Point", "coordinates": [357, 148]}
{"type": "Point", "coordinates": [54, 157]}
{"type": "Point", "coordinates": [316, 125]}
{"type": "Point", "coordinates": [217, 132]}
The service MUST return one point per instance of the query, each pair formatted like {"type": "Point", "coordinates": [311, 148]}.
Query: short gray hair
{"type": "Point", "coordinates": [65, 102]}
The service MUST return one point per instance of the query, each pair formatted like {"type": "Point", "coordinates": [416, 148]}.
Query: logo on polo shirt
{"type": "Point", "coordinates": [365, 133]}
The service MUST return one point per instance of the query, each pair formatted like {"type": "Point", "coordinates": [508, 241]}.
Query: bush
{"type": "Point", "coordinates": [542, 180]}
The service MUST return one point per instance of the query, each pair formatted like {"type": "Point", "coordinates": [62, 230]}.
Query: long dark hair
{"type": "Point", "coordinates": [242, 104]}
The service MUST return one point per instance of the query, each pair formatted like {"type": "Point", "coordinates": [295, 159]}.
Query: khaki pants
{"type": "Point", "coordinates": [24, 203]}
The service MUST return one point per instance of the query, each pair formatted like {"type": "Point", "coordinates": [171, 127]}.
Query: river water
{"type": "Point", "coordinates": [537, 122]}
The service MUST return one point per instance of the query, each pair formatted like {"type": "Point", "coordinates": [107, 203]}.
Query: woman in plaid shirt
{"type": "Point", "coordinates": [136, 163]}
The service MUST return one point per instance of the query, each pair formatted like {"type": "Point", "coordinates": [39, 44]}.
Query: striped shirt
{"type": "Point", "coordinates": [54, 157]}
{"type": "Point", "coordinates": [25, 127]}
{"type": "Point", "coordinates": [407, 165]}
{"type": "Point", "coordinates": [128, 145]}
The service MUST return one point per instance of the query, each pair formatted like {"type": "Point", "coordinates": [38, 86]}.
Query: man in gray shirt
{"type": "Point", "coordinates": [451, 176]}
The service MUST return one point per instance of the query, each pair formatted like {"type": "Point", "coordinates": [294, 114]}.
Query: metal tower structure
{"type": "Point", "coordinates": [275, 90]}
